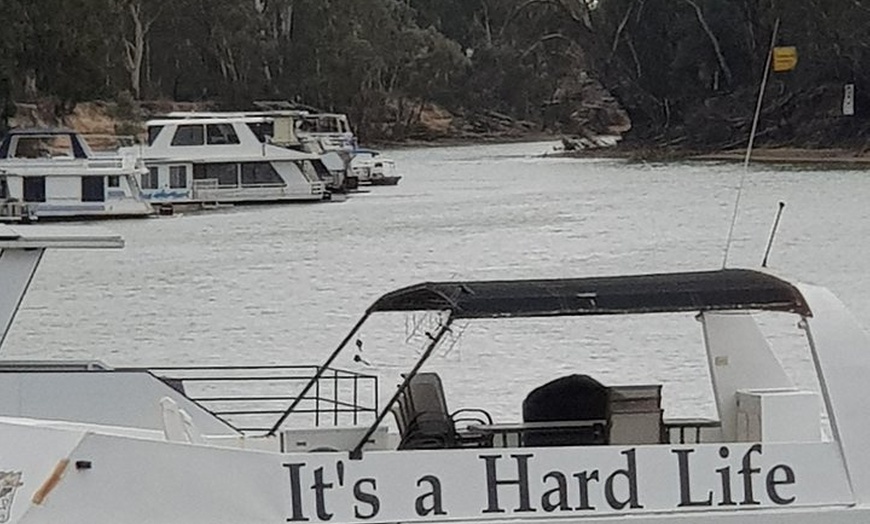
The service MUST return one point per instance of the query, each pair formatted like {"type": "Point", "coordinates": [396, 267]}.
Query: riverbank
{"type": "Point", "coordinates": [766, 155]}
{"type": "Point", "coordinates": [791, 155]}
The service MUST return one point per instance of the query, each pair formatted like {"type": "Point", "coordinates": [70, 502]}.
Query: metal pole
{"type": "Point", "coordinates": [772, 234]}
{"type": "Point", "coordinates": [761, 95]}
{"type": "Point", "coordinates": [320, 371]}
{"type": "Point", "coordinates": [749, 146]}
{"type": "Point", "coordinates": [357, 451]}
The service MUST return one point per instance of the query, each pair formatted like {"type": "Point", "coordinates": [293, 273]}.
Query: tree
{"type": "Point", "coordinates": [140, 16]}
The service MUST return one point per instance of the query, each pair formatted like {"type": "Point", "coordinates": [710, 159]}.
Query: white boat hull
{"type": "Point", "coordinates": [75, 473]}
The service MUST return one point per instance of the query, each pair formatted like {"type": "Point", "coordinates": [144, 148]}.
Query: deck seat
{"type": "Point", "coordinates": [424, 421]}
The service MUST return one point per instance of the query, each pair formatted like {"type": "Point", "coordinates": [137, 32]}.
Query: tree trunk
{"type": "Point", "coordinates": [135, 49]}
{"type": "Point", "coordinates": [716, 47]}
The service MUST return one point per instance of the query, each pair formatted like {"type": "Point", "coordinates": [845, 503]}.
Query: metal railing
{"type": "Point", "coordinates": [687, 430]}
{"type": "Point", "coordinates": [15, 212]}
{"type": "Point", "coordinates": [251, 398]}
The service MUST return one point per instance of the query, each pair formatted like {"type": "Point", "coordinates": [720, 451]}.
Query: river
{"type": "Point", "coordinates": [282, 284]}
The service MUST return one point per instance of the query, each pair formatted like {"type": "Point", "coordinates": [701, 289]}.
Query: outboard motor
{"type": "Point", "coordinates": [570, 398]}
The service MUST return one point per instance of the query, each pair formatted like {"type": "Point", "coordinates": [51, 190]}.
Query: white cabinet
{"type": "Point", "coordinates": [778, 415]}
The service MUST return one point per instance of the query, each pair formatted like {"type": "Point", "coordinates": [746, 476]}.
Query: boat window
{"type": "Point", "coordinates": [220, 134]}
{"type": "Point", "coordinates": [226, 174]}
{"type": "Point", "coordinates": [92, 189]}
{"type": "Point", "coordinates": [153, 131]}
{"type": "Point", "coordinates": [177, 177]}
{"type": "Point", "coordinates": [320, 168]}
{"type": "Point", "coordinates": [34, 147]}
{"type": "Point", "coordinates": [260, 174]}
{"type": "Point", "coordinates": [263, 130]}
{"type": "Point", "coordinates": [188, 135]}
{"type": "Point", "coordinates": [113, 181]}
{"type": "Point", "coordinates": [34, 189]}
{"type": "Point", "coordinates": [314, 171]}
{"type": "Point", "coordinates": [149, 179]}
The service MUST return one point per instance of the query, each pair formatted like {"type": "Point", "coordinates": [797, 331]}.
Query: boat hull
{"type": "Point", "coordinates": [384, 181]}
{"type": "Point", "coordinates": [82, 473]}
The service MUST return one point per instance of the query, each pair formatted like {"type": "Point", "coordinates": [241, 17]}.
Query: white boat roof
{"type": "Point", "coordinates": [187, 115]}
{"type": "Point", "coordinates": [72, 237]}
{"type": "Point", "coordinates": [204, 119]}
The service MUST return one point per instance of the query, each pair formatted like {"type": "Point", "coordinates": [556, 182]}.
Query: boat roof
{"type": "Point", "coordinates": [363, 151]}
{"type": "Point", "coordinates": [719, 290]}
{"type": "Point", "coordinates": [175, 115]}
{"type": "Point", "coordinates": [204, 120]}
{"type": "Point", "coordinates": [38, 131]}
{"type": "Point", "coordinates": [77, 237]}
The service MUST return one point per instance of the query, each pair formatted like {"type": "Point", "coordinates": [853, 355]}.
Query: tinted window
{"type": "Point", "coordinates": [226, 174]}
{"type": "Point", "coordinates": [262, 130]}
{"type": "Point", "coordinates": [34, 189]}
{"type": "Point", "coordinates": [260, 174]}
{"type": "Point", "coordinates": [149, 179]}
{"type": "Point", "coordinates": [221, 134]}
{"type": "Point", "coordinates": [177, 176]}
{"type": "Point", "coordinates": [114, 181]}
{"type": "Point", "coordinates": [188, 135]}
{"type": "Point", "coordinates": [153, 131]}
{"type": "Point", "coordinates": [314, 171]}
{"type": "Point", "coordinates": [92, 189]}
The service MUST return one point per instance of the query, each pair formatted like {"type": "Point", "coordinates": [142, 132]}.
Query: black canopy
{"type": "Point", "coordinates": [726, 289]}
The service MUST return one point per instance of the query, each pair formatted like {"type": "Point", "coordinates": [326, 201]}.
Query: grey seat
{"type": "Point", "coordinates": [425, 422]}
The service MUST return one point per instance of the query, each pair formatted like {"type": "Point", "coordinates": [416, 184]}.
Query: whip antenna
{"type": "Point", "coordinates": [751, 142]}
{"type": "Point", "coordinates": [772, 234]}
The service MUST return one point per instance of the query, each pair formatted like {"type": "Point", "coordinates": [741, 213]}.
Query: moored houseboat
{"type": "Point", "coordinates": [221, 161]}
{"type": "Point", "coordinates": [52, 174]}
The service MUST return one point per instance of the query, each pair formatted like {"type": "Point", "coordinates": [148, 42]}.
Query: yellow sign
{"type": "Point", "coordinates": [784, 58]}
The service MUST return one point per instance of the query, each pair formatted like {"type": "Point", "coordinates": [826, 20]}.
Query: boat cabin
{"type": "Point", "coordinates": [331, 130]}
{"type": "Point", "coordinates": [371, 168]}
{"type": "Point", "coordinates": [55, 175]}
{"type": "Point", "coordinates": [212, 159]}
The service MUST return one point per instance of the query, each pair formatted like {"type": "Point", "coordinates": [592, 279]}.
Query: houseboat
{"type": "Point", "coordinates": [52, 174]}
{"type": "Point", "coordinates": [373, 169]}
{"type": "Point", "coordinates": [283, 128]}
{"type": "Point", "coordinates": [221, 161]}
{"type": "Point", "coordinates": [87, 443]}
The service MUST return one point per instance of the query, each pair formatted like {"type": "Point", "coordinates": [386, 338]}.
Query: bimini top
{"type": "Point", "coordinates": [726, 289]}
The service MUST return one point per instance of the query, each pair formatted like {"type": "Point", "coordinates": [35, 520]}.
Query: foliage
{"type": "Point", "coordinates": [686, 71]}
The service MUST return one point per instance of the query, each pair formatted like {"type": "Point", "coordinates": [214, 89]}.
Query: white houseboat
{"type": "Point", "coordinates": [53, 174]}
{"type": "Point", "coordinates": [221, 160]}
{"type": "Point", "coordinates": [85, 443]}
{"type": "Point", "coordinates": [280, 128]}
{"type": "Point", "coordinates": [373, 169]}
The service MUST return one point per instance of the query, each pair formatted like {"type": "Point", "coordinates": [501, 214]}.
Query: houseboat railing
{"type": "Point", "coordinates": [15, 212]}
{"type": "Point", "coordinates": [687, 430]}
{"type": "Point", "coordinates": [251, 398]}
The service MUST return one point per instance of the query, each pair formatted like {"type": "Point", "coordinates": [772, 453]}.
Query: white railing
{"type": "Point", "coordinates": [14, 211]}
{"type": "Point", "coordinates": [65, 163]}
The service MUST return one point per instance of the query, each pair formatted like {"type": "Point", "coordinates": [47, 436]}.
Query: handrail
{"type": "Point", "coordinates": [260, 389]}
{"type": "Point", "coordinates": [356, 453]}
{"type": "Point", "coordinates": [320, 371]}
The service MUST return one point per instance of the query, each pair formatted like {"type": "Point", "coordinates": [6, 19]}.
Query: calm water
{"type": "Point", "coordinates": [283, 284]}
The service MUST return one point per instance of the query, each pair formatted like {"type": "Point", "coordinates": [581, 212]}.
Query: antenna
{"type": "Point", "coordinates": [772, 234]}
{"type": "Point", "coordinates": [751, 142]}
